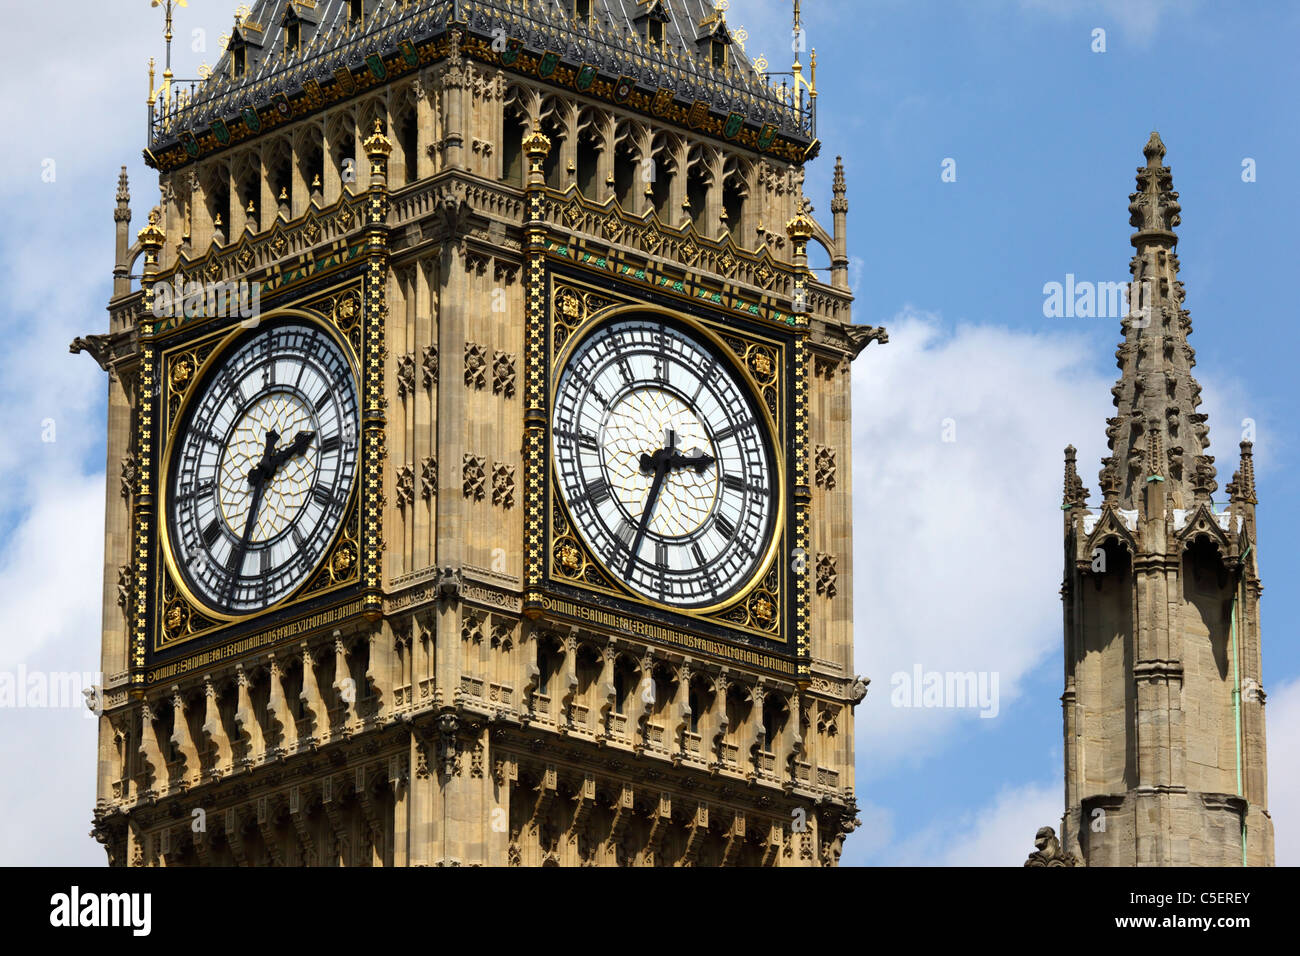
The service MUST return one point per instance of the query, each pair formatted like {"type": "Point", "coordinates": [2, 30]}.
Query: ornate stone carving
{"type": "Point", "coordinates": [428, 477]}
{"type": "Point", "coordinates": [475, 365]}
{"type": "Point", "coordinates": [858, 689]}
{"type": "Point", "coordinates": [130, 473]}
{"type": "Point", "coordinates": [824, 467]}
{"type": "Point", "coordinates": [503, 374]}
{"type": "Point", "coordinates": [474, 477]}
{"type": "Point", "coordinates": [405, 488]}
{"type": "Point", "coordinates": [1049, 852]}
{"type": "Point", "coordinates": [471, 626]}
{"type": "Point", "coordinates": [405, 375]}
{"type": "Point", "coordinates": [503, 485]}
{"type": "Point", "coordinates": [125, 586]}
{"type": "Point", "coordinates": [429, 365]}
{"type": "Point", "coordinates": [827, 572]}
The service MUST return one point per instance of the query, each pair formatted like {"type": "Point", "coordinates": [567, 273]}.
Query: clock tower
{"type": "Point", "coordinates": [484, 449]}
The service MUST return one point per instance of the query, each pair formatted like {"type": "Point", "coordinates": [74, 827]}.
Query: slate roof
{"type": "Point", "coordinates": [610, 42]}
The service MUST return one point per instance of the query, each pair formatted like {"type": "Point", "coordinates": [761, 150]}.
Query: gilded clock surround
{"type": "Point", "coordinates": [185, 615]}
{"type": "Point", "coordinates": [756, 607]}
{"type": "Point", "coordinates": [177, 351]}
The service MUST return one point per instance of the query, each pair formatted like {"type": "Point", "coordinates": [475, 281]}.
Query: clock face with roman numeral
{"type": "Point", "coordinates": [664, 463]}
{"type": "Point", "coordinates": [262, 468]}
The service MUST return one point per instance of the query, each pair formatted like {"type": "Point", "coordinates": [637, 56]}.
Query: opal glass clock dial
{"type": "Point", "coordinates": [262, 468]}
{"type": "Point", "coordinates": [663, 462]}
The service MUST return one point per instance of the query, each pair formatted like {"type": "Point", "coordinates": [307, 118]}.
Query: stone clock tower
{"type": "Point", "coordinates": [480, 451]}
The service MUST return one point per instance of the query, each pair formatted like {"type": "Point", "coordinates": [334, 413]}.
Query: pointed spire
{"type": "Point", "coordinates": [1157, 432]}
{"type": "Point", "coordinates": [838, 189]}
{"type": "Point", "coordinates": [1076, 495]}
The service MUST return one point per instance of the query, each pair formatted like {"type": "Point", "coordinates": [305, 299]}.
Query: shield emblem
{"type": "Point", "coordinates": [190, 143]}
{"type": "Point", "coordinates": [511, 52]}
{"type": "Point", "coordinates": [343, 77]}
{"type": "Point", "coordinates": [221, 132]}
{"type": "Point", "coordinates": [251, 119]}
{"type": "Point", "coordinates": [663, 99]}
{"type": "Point", "coordinates": [623, 88]}
{"type": "Point", "coordinates": [548, 64]}
{"type": "Point", "coordinates": [407, 49]}
{"type": "Point", "coordinates": [586, 76]}
{"type": "Point", "coordinates": [699, 113]}
{"type": "Point", "coordinates": [766, 135]}
{"type": "Point", "coordinates": [281, 103]}
{"type": "Point", "coordinates": [311, 87]}
{"type": "Point", "coordinates": [376, 64]}
{"type": "Point", "coordinates": [734, 123]}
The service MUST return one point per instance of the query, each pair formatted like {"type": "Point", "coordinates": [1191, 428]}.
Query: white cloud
{"type": "Point", "coordinates": [999, 833]}
{"type": "Point", "coordinates": [957, 559]}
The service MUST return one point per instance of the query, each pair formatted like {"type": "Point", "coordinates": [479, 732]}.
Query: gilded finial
{"type": "Point", "coordinates": [377, 145]}
{"type": "Point", "coordinates": [315, 181]}
{"type": "Point", "coordinates": [284, 194]}
{"type": "Point", "coordinates": [251, 209]}
{"type": "Point", "coordinates": [800, 228]}
{"type": "Point", "coordinates": [152, 235]}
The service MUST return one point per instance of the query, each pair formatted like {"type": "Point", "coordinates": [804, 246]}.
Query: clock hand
{"type": "Point", "coordinates": [258, 487]}
{"type": "Point", "coordinates": [264, 468]}
{"type": "Point", "coordinates": [300, 444]}
{"type": "Point", "coordinates": [257, 477]}
{"type": "Point", "coordinates": [660, 463]}
{"type": "Point", "coordinates": [696, 459]}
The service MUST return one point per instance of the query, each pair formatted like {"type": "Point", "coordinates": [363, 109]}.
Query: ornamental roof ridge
{"type": "Point", "coordinates": [610, 43]}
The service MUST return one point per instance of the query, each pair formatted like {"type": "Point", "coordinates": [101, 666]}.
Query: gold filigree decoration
{"type": "Point", "coordinates": [182, 373]}
{"type": "Point", "coordinates": [347, 310]}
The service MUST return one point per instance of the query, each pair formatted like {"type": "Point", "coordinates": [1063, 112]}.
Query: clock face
{"type": "Point", "coordinates": [262, 468]}
{"type": "Point", "coordinates": [663, 462]}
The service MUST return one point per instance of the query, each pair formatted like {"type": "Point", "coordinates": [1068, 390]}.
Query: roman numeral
{"type": "Point", "coordinates": [330, 444]}
{"type": "Point", "coordinates": [322, 496]}
{"type": "Point", "coordinates": [661, 556]}
{"type": "Point", "coordinates": [625, 370]}
{"type": "Point", "coordinates": [320, 402]}
{"type": "Point", "coordinates": [734, 482]}
{"type": "Point", "coordinates": [211, 533]}
{"type": "Point", "coordinates": [626, 533]}
{"type": "Point", "coordinates": [297, 535]}
{"type": "Point", "coordinates": [731, 429]}
{"type": "Point", "coordinates": [699, 555]}
{"type": "Point", "coordinates": [726, 527]}
{"type": "Point", "coordinates": [598, 491]}
{"type": "Point", "coordinates": [266, 560]}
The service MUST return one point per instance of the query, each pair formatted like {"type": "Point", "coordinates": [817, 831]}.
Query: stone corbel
{"type": "Point", "coordinates": [216, 743]}
{"type": "Point", "coordinates": [570, 676]}
{"type": "Point", "coordinates": [298, 813]}
{"type": "Point", "coordinates": [266, 827]}
{"type": "Point", "coordinates": [152, 764]}
{"type": "Point", "coordinates": [235, 837]}
{"type": "Point", "coordinates": [181, 740]}
{"type": "Point", "coordinates": [280, 719]}
{"type": "Point", "coordinates": [606, 692]}
{"type": "Point", "coordinates": [735, 840]}
{"type": "Point", "coordinates": [344, 687]}
{"type": "Point", "coordinates": [253, 745]}
{"type": "Point", "coordinates": [313, 705]}
{"type": "Point", "coordinates": [696, 831]}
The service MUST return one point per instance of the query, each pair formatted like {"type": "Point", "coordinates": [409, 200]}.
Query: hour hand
{"type": "Point", "coordinates": [696, 459]}
{"type": "Point", "coordinates": [301, 442]}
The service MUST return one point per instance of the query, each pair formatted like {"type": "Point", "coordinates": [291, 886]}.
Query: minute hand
{"type": "Point", "coordinates": [661, 469]}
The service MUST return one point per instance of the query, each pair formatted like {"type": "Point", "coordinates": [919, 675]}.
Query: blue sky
{"type": "Point", "coordinates": [957, 556]}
